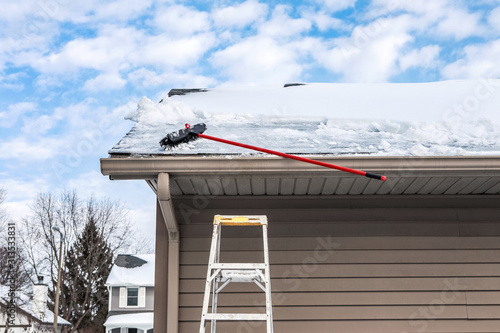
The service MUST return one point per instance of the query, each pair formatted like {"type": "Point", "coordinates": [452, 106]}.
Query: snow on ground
{"type": "Point", "coordinates": [397, 119]}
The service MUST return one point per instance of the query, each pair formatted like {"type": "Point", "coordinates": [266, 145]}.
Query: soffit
{"type": "Point", "coordinates": [261, 176]}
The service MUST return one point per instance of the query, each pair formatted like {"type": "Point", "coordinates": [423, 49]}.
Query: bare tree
{"type": "Point", "coordinates": [12, 270]}
{"type": "Point", "coordinates": [142, 244]}
{"type": "Point", "coordinates": [71, 214]}
{"type": "Point", "coordinates": [13, 274]}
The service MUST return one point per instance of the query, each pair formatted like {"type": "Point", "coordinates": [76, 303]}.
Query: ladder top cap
{"type": "Point", "coordinates": [240, 220]}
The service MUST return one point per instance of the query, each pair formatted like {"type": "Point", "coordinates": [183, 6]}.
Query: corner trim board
{"type": "Point", "coordinates": [167, 208]}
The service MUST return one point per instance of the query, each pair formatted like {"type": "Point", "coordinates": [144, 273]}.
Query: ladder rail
{"type": "Point", "coordinates": [267, 275]}
{"type": "Point", "coordinates": [211, 260]}
{"type": "Point", "coordinates": [224, 273]}
{"type": "Point", "coordinates": [215, 293]}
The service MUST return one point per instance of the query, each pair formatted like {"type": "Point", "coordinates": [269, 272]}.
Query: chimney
{"type": "Point", "coordinates": [40, 296]}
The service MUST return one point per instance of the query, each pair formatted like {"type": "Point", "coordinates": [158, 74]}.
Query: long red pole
{"type": "Point", "coordinates": [293, 157]}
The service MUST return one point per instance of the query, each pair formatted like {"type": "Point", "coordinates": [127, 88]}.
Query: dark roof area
{"type": "Point", "coordinates": [177, 92]}
{"type": "Point", "coordinates": [185, 91]}
{"type": "Point", "coordinates": [129, 261]}
{"type": "Point", "coordinates": [293, 85]}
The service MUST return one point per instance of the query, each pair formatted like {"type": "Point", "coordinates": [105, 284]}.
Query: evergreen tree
{"type": "Point", "coordinates": [84, 297]}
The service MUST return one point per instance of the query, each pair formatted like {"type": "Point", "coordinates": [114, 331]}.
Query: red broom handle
{"type": "Point", "coordinates": [293, 157]}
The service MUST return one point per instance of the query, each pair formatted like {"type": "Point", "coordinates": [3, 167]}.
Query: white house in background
{"type": "Point", "coordinates": [131, 294]}
{"type": "Point", "coordinates": [29, 315]}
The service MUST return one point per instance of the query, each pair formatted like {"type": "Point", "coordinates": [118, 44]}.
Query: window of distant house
{"type": "Point", "coordinates": [132, 297]}
{"type": "Point", "coordinates": [132, 300]}
{"type": "Point", "coordinates": [132, 330]}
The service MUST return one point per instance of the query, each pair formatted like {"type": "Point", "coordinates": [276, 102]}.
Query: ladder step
{"type": "Point", "coordinates": [238, 275]}
{"type": "Point", "coordinates": [238, 220]}
{"type": "Point", "coordinates": [236, 316]}
{"type": "Point", "coordinates": [237, 266]}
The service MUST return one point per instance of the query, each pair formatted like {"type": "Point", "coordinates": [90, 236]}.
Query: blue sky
{"type": "Point", "coordinates": [71, 70]}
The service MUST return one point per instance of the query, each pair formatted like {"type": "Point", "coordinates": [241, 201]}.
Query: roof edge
{"type": "Point", "coordinates": [148, 168]}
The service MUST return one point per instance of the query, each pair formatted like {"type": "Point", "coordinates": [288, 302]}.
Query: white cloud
{"type": "Point", "coordinates": [179, 20]}
{"type": "Point", "coordinates": [90, 124]}
{"type": "Point", "coordinates": [89, 183]}
{"type": "Point", "coordinates": [241, 15]}
{"type": "Point", "coordinates": [324, 21]}
{"type": "Point", "coordinates": [258, 60]}
{"type": "Point", "coordinates": [20, 195]}
{"type": "Point", "coordinates": [74, 133]}
{"type": "Point", "coordinates": [34, 13]}
{"type": "Point", "coordinates": [23, 189]}
{"type": "Point", "coordinates": [282, 25]}
{"type": "Point", "coordinates": [19, 48]}
{"type": "Point", "coordinates": [121, 9]}
{"type": "Point", "coordinates": [444, 18]}
{"type": "Point", "coordinates": [480, 60]}
{"type": "Point", "coordinates": [165, 52]}
{"type": "Point", "coordinates": [144, 218]}
{"type": "Point", "coordinates": [38, 125]}
{"type": "Point", "coordinates": [116, 51]}
{"type": "Point", "coordinates": [147, 78]}
{"type": "Point", "coordinates": [494, 19]}
{"type": "Point", "coordinates": [15, 10]}
{"type": "Point", "coordinates": [30, 149]}
{"type": "Point", "coordinates": [108, 51]}
{"type": "Point", "coordinates": [460, 24]}
{"type": "Point", "coordinates": [425, 57]}
{"type": "Point", "coordinates": [12, 81]}
{"type": "Point", "coordinates": [273, 55]}
{"type": "Point", "coordinates": [10, 117]}
{"type": "Point", "coordinates": [12, 86]}
{"type": "Point", "coordinates": [48, 82]}
{"type": "Point", "coordinates": [337, 5]}
{"type": "Point", "coordinates": [370, 54]}
{"type": "Point", "coordinates": [415, 6]}
{"type": "Point", "coordinates": [105, 81]}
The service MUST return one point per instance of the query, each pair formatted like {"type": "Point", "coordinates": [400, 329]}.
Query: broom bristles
{"type": "Point", "coordinates": [185, 135]}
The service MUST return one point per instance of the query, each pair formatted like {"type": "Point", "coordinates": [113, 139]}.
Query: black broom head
{"type": "Point", "coordinates": [185, 135]}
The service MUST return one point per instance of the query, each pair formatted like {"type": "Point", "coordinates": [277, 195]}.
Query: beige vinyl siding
{"type": "Point", "coordinates": [365, 265]}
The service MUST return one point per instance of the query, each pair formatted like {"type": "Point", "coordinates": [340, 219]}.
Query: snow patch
{"type": "Point", "coordinates": [150, 113]}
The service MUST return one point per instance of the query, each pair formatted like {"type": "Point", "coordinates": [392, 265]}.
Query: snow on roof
{"type": "Point", "coordinates": [142, 321]}
{"type": "Point", "coordinates": [397, 119]}
{"type": "Point", "coordinates": [143, 275]}
{"type": "Point", "coordinates": [49, 317]}
{"type": "Point", "coordinates": [25, 303]}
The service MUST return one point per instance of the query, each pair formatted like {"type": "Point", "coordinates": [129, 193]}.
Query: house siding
{"type": "Point", "coordinates": [115, 300]}
{"type": "Point", "coordinates": [357, 264]}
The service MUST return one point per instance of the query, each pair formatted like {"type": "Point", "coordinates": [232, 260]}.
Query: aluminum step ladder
{"type": "Point", "coordinates": [225, 273]}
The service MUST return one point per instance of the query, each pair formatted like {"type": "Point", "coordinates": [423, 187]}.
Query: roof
{"type": "Point", "coordinates": [427, 138]}
{"type": "Point", "coordinates": [450, 118]}
{"type": "Point", "coordinates": [25, 305]}
{"type": "Point", "coordinates": [142, 321]}
{"type": "Point", "coordinates": [132, 270]}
